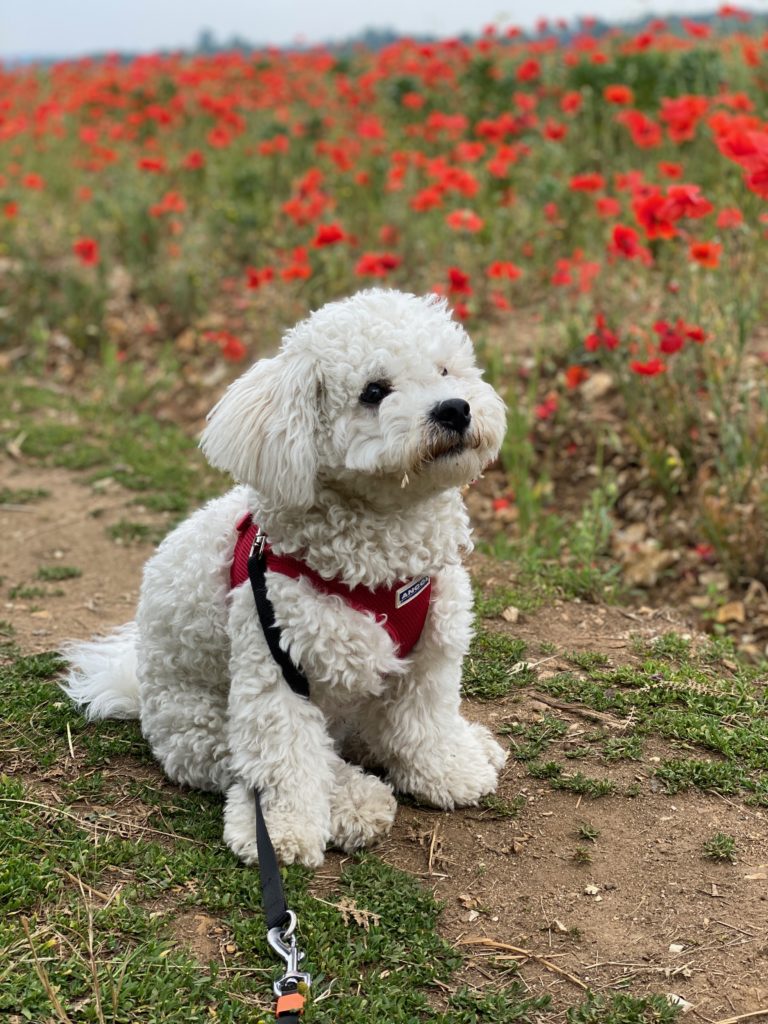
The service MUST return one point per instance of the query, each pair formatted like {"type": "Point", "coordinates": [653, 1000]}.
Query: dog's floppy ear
{"type": "Point", "coordinates": [263, 430]}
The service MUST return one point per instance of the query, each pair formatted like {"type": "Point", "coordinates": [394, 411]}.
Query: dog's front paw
{"type": "Point", "coordinates": [298, 837]}
{"type": "Point", "coordinates": [453, 772]}
{"type": "Point", "coordinates": [362, 808]}
{"type": "Point", "coordinates": [494, 751]}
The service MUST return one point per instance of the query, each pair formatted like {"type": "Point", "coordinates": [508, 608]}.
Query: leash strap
{"type": "Point", "coordinates": [257, 565]}
{"type": "Point", "coordinates": [272, 894]}
{"type": "Point", "coordinates": [281, 922]}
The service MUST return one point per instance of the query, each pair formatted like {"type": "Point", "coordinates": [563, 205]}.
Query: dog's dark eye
{"type": "Point", "coordinates": [444, 372]}
{"type": "Point", "coordinates": [375, 392]}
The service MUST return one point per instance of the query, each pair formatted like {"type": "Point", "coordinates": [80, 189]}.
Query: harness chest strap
{"type": "Point", "coordinates": [401, 609]}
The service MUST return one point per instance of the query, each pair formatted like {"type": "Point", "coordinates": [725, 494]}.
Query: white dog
{"type": "Point", "coordinates": [350, 447]}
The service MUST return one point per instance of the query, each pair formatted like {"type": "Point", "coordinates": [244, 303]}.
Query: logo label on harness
{"type": "Point", "coordinates": [410, 590]}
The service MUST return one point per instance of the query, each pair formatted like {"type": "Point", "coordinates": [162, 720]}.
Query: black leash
{"type": "Point", "coordinates": [281, 922]}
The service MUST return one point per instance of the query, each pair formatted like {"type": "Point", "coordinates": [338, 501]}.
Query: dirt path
{"type": "Point", "coordinates": [646, 910]}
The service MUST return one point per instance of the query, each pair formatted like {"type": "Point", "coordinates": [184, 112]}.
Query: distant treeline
{"type": "Point", "coordinates": [377, 38]}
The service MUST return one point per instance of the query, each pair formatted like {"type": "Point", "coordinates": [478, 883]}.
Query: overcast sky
{"type": "Point", "coordinates": [73, 27]}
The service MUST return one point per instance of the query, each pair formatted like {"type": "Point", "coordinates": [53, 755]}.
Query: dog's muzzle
{"type": "Point", "coordinates": [449, 422]}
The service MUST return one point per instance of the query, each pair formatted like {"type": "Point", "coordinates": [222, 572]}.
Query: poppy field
{"type": "Point", "coordinates": [592, 204]}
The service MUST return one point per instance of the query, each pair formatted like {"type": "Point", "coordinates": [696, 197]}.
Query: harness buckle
{"type": "Point", "coordinates": [283, 942]}
{"type": "Point", "coordinates": [259, 541]}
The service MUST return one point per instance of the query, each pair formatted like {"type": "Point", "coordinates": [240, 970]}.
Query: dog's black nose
{"type": "Point", "coordinates": [454, 414]}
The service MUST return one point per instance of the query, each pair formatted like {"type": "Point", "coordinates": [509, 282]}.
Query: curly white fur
{"type": "Point", "coordinates": [367, 493]}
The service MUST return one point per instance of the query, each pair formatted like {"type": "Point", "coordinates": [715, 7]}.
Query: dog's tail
{"type": "Point", "coordinates": [102, 675]}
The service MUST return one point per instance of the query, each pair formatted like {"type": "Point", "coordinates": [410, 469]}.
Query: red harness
{"type": "Point", "coordinates": [400, 609]}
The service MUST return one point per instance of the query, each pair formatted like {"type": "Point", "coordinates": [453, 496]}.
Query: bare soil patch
{"type": "Point", "coordinates": [647, 910]}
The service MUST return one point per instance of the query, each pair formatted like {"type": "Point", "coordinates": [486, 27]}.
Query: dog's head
{"type": "Point", "coordinates": [377, 394]}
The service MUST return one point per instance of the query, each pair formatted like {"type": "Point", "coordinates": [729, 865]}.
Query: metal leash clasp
{"type": "Point", "coordinates": [257, 548]}
{"type": "Point", "coordinates": [283, 942]}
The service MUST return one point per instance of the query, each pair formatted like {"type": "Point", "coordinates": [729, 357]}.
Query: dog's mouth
{"type": "Point", "coordinates": [443, 451]}
{"type": "Point", "coordinates": [441, 446]}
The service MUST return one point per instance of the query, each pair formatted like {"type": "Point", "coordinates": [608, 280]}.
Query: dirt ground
{"type": "Point", "coordinates": [647, 912]}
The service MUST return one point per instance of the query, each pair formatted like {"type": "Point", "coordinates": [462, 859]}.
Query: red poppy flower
{"type": "Point", "coordinates": [34, 182]}
{"type": "Point", "coordinates": [554, 131]}
{"type": "Point", "coordinates": [670, 170]}
{"type": "Point", "coordinates": [625, 242]}
{"type": "Point", "coordinates": [257, 277]}
{"type": "Point", "coordinates": [729, 217]}
{"type": "Point", "coordinates": [153, 164]}
{"type": "Point", "coordinates": [591, 182]}
{"type": "Point", "coordinates": [501, 302]}
{"type": "Point", "coordinates": [619, 95]}
{"type": "Point", "coordinates": [575, 375]}
{"type": "Point", "coordinates": [696, 29]}
{"type": "Point", "coordinates": [645, 132]}
{"type": "Point", "coordinates": [87, 251]}
{"type": "Point", "coordinates": [671, 339]}
{"type": "Point", "coordinates": [412, 100]}
{"type": "Point", "coordinates": [426, 199]}
{"type": "Point", "coordinates": [649, 369]}
{"type": "Point", "coordinates": [377, 264]}
{"type": "Point", "coordinates": [11, 210]}
{"type": "Point", "coordinates": [528, 71]}
{"type": "Point", "coordinates": [706, 254]}
{"type": "Point", "coordinates": [232, 348]}
{"type": "Point", "coordinates": [653, 215]}
{"type": "Point", "coordinates": [687, 201]}
{"type": "Point", "coordinates": [571, 102]}
{"type": "Point", "coordinates": [193, 161]}
{"type": "Point", "coordinates": [328, 234]}
{"type": "Point", "coordinates": [607, 206]}
{"type": "Point", "coordinates": [458, 282]}
{"type": "Point", "coordinates": [546, 410]}
{"type": "Point", "coordinates": [172, 202]}
{"type": "Point", "coordinates": [504, 268]}
{"type": "Point", "coordinates": [601, 337]}
{"type": "Point", "coordinates": [464, 220]}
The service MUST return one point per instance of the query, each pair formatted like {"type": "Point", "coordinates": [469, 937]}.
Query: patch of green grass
{"type": "Point", "coordinates": [587, 832]}
{"type": "Point", "coordinates": [567, 559]}
{"type": "Point", "coordinates": [679, 774]}
{"type": "Point", "coordinates": [470, 1006]}
{"type": "Point", "coordinates": [494, 666]}
{"type": "Point", "coordinates": [501, 808]}
{"type": "Point", "coordinates": [22, 495]}
{"type": "Point", "coordinates": [692, 697]}
{"type": "Point", "coordinates": [122, 952]}
{"type": "Point", "coordinates": [24, 592]}
{"type": "Point", "coordinates": [581, 855]}
{"type": "Point", "coordinates": [381, 970]}
{"type": "Point", "coordinates": [36, 715]}
{"type": "Point", "coordinates": [531, 740]}
{"type": "Point", "coordinates": [624, 1009]}
{"type": "Point", "coordinates": [587, 660]}
{"type": "Point", "coordinates": [58, 572]}
{"type": "Point", "coordinates": [622, 748]}
{"type": "Point", "coordinates": [127, 531]}
{"type": "Point", "coordinates": [720, 847]}
{"type": "Point", "coordinates": [490, 604]}
{"type": "Point", "coordinates": [577, 782]}
{"type": "Point", "coordinates": [670, 646]}
{"type": "Point", "coordinates": [575, 753]}
{"type": "Point", "coordinates": [158, 460]}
